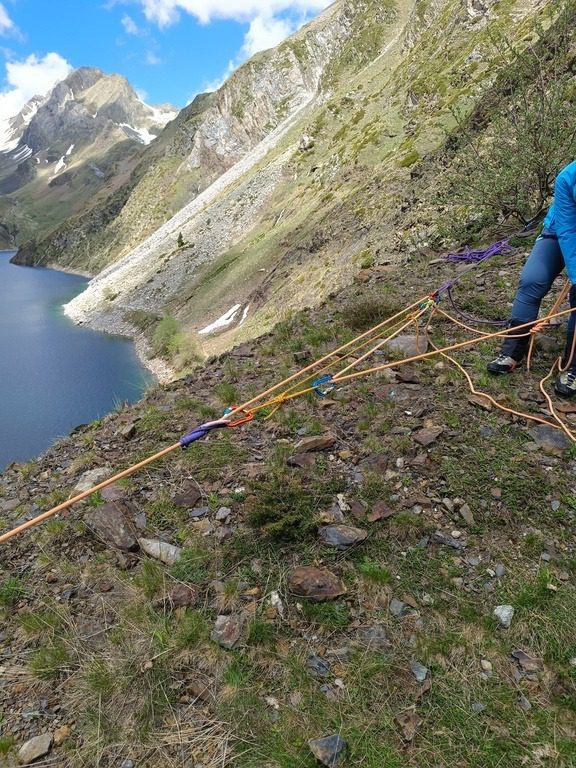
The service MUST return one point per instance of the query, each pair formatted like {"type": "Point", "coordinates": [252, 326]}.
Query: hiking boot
{"type": "Point", "coordinates": [565, 384]}
{"type": "Point", "coordinates": [502, 364]}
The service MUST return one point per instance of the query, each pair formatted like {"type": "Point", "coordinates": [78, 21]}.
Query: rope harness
{"type": "Point", "coordinates": [339, 367]}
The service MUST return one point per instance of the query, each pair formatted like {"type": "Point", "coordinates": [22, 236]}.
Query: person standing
{"type": "Point", "coordinates": [554, 250]}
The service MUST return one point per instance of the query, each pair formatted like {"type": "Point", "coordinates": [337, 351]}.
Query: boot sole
{"type": "Point", "coordinates": [496, 372]}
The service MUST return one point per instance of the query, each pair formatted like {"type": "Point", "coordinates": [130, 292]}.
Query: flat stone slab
{"type": "Point", "coordinates": [550, 440]}
{"type": "Point", "coordinates": [316, 443]}
{"type": "Point", "coordinates": [426, 437]}
{"type": "Point", "coordinates": [408, 346]}
{"type": "Point", "coordinates": [188, 498]}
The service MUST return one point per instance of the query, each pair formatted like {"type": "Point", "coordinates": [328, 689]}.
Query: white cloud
{"type": "Point", "coordinates": [152, 58]}
{"type": "Point", "coordinates": [130, 26]}
{"type": "Point", "coordinates": [165, 12]}
{"type": "Point", "coordinates": [6, 23]}
{"type": "Point", "coordinates": [31, 77]}
{"type": "Point", "coordinates": [266, 32]}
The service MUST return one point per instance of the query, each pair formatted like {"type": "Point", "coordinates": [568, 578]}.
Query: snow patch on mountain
{"type": "Point", "coordinates": [226, 319]}
{"type": "Point", "coordinates": [142, 135]}
{"type": "Point", "coordinates": [23, 153]}
{"type": "Point", "coordinates": [59, 166]}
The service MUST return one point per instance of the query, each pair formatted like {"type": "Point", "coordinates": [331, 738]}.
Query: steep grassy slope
{"type": "Point", "coordinates": [112, 653]}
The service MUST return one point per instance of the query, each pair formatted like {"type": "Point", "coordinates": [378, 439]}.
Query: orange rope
{"type": "Point", "coordinates": [313, 366]}
{"type": "Point", "coordinates": [66, 504]}
{"type": "Point", "coordinates": [284, 397]}
{"type": "Point", "coordinates": [544, 323]}
{"type": "Point", "coordinates": [485, 395]}
{"type": "Point", "coordinates": [551, 404]}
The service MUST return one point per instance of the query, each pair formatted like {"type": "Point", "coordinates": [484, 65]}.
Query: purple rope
{"type": "Point", "coordinates": [201, 432]}
{"type": "Point", "coordinates": [468, 255]}
{"type": "Point", "coordinates": [496, 249]}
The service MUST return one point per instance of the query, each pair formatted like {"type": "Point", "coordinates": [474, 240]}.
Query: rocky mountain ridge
{"type": "Point", "coordinates": [73, 144]}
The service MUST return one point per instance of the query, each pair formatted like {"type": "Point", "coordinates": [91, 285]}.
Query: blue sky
{"type": "Point", "coordinates": [168, 49]}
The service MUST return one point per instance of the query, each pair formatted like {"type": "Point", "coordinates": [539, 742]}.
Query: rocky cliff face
{"type": "Point", "coordinates": [64, 149]}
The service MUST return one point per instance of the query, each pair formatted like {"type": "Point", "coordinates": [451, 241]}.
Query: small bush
{"type": "Point", "coordinates": [373, 571]}
{"type": "Point", "coordinates": [191, 628]}
{"type": "Point", "coordinates": [367, 312]}
{"type": "Point", "coordinates": [6, 744]}
{"type": "Point", "coordinates": [282, 509]}
{"type": "Point", "coordinates": [329, 615]}
{"type": "Point", "coordinates": [50, 662]}
{"type": "Point", "coordinates": [261, 633]}
{"type": "Point", "coordinates": [11, 591]}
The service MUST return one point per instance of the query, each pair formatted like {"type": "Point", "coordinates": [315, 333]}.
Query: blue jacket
{"type": "Point", "coordinates": [561, 218]}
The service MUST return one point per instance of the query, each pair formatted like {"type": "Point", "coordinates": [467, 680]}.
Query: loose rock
{"type": "Point", "coordinates": [109, 522]}
{"type": "Point", "coordinates": [35, 748]}
{"type": "Point", "coordinates": [427, 436]}
{"type": "Point", "coordinates": [397, 607]}
{"type": "Point", "coordinates": [329, 750]}
{"type": "Point", "coordinates": [318, 665]}
{"type": "Point", "coordinates": [316, 443]}
{"type": "Point", "coordinates": [188, 498]}
{"type": "Point", "coordinates": [91, 478]}
{"type": "Point", "coordinates": [317, 584]}
{"type": "Point", "coordinates": [227, 631]}
{"type": "Point", "coordinates": [466, 514]}
{"type": "Point", "coordinates": [448, 541]}
{"type": "Point", "coordinates": [341, 536]}
{"type": "Point", "coordinates": [160, 550]}
{"type": "Point", "coordinates": [504, 614]}
{"type": "Point", "coordinates": [524, 704]}
{"type": "Point", "coordinates": [408, 346]}
{"type": "Point", "coordinates": [419, 671]}
{"type": "Point", "coordinates": [550, 440]}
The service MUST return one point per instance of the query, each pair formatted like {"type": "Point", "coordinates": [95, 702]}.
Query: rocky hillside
{"type": "Point", "coordinates": [330, 187]}
{"type": "Point", "coordinates": [381, 578]}
{"type": "Point", "coordinates": [70, 148]}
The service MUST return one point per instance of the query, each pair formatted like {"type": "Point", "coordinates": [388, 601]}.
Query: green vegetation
{"type": "Point", "coordinates": [11, 591]}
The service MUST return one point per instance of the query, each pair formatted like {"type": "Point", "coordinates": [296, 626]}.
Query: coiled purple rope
{"type": "Point", "coordinates": [496, 249]}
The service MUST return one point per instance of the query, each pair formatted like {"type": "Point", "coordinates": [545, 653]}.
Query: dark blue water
{"type": "Point", "coordinates": [53, 374]}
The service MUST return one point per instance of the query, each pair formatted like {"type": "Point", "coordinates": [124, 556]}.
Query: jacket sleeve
{"type": "Point", "coordinates": [565, 215]}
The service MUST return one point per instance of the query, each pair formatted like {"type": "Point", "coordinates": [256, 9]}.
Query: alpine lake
{"type": "Point", "coordinates": [54, 375]}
